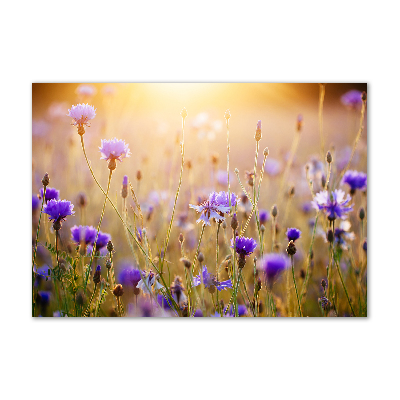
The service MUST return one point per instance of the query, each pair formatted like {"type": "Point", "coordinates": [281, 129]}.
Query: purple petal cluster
{"type": "Point", "coordinates": [82, 114]}
{"type": "Point", "coordinates": [58, 210]}
{"type": "Point", "coordinates": [272, 166]}
{"type": "Point", "coordinates": [129, 276]}
{"type": "Point", "coordinates": [51, 194]}
{"type": "Point", "coordinates": [352, 99]}
{"type": "Point", "coordinates": [334, 205]}
{"type": "Point", "coordinates": [114, 149]}
{"type": "Point", "coordinates": [293, 234]}
{"type": "Point", "coordinates": [83, 234]}
{"type": "Point", "coordinates": [273, 264]}
{"type": "Point", "coordinates": [356, 180]}
{"type": "Point", "coordinates": [215, 207]}
{"type": "Point", "coordinates": [102, 240]}
{"type": "Point", "coordinates": [243, 246]}
{"type": "Point", "coordinates": [210, 280]}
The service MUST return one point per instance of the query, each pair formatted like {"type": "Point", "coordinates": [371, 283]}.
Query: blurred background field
{"type": "Point", "coordinates": [147, 117]}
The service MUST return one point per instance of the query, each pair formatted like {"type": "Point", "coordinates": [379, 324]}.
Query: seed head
{"type": "Point", "coordinates": [328, 157]}
{"type": "Point", "coordinates": [330, 236]}
{"type": "Point", "coordinates": [234, 222]}
{"type": "Point", "coordinates": [291, 191]}
{"type": "Point", "coordinates": [223, 224]}
{"type": "Point", "coordinates": [118, 290]}
{"type": "Point", "coordinates": [291, 248]}
{"type": "Point", "coordinates": [110, 246]}
{"type": "Point", "coordinates": [364, 96]}
{"type": "Point", "coordinates": [108, 264]}
{"type": "Point", "coordinates": [200, 257]}
{"type": "Point", "coordinates": [186, 262]}
{"type": "Point", "coordinates": [82, 200]}
{"type": "Point", "coordinates": [46, 179]}
{"type": "Point", "coordinates": [97, 275]}
{"type": "Point", "coordinates": [323, 284]}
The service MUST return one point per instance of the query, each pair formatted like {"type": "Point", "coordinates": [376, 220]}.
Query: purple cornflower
{"type": "Point", "coordinates": [356, 180]}
{"type": "Point", "coordinates": [334, 205]}
{"type": "Point", "coordinates": [352, 99]}
{"type": "Point", "coordinates": [163, 302]}
{"type": "Point", "coordinates": [102, 240]}
{"type": "Point", "coordinates": [198, 313]}
{"type": "Point", "coordinates": [81, 114]}
{"type": "Point", "coordinates": [342, 234]}
{"type": "Point", "coordinates": [129, 276]}
{"type": "Point", "coordinates": [58, 210]}
{"type": "Point", "coordinates": [35, 203]}
{"type": "Point", "coordinates": [114, 149]}
{"type": "Point", "coordinates": [51, 194]}
{"type": "Point", "coordinates": [273, 265]}
{"type": "Point", "coordinates": [210, 280]}
{"type": "Point", "coordinates": [293, 234]}
{"type": "Point", "coordinates": [264, 216]}
{"type": "Point", "coordinates": [83, 234]}
{"type": "Point", "coordinates": [244, 246]}
{"type": "Point", "coordinates": [215, 207]}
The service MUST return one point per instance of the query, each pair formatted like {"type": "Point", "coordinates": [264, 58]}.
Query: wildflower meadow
{"type": "Point", "coordinates": [239, 203]}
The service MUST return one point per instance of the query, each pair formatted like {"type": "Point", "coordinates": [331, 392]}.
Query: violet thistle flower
{"type": "Point", "coordinates": [101, 240]}
{"type": "Point", "coordinates": [83, 234]}
{"type": "Point", "coordinates": [244, 247]}
{"type": "Point", "coordinates": [112, 150]}
{"type": "Point", "coordinates": [352, 99]}
{"type": "Point", "coordinates": [215, 207]}
{"type": "Point", "coordinates": [293, 234]}
{"type": "Point", "coordinates": [334, 205]}
{"type": "Point", "coordinates": [272, 265]}
{"type": "Point", "coordinates": [210, 281]}
{"type": "Point", "coordinates": [58, 210]}
{"type": "Point", "coordinates": [51, 194]}
{"type": "Point", "coordinates": [356, 180]}
{"type": "Point", "coordinates": [81, 114]}
{"type": "Point", "coordinates": [130, 276]}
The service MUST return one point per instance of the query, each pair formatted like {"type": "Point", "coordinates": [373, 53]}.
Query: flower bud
{"type": "Point", "coordinates": [46, 179]}
{"type": "Point", "coordinates": [97, 275]}
{"type": "Point", "coordinates": [330, 236]}
{"type": "Point", "coordinates": [118, 290]}
{"type": "Point", "coordinates": [234, 222]}
{"type": "Point", "coordinates": [328, 157]}
{"type": "Point", "coordinates": [274, 211]}
{"type": "Point", "coordinates": [266, 152]}
{"type": "Point", "coordinates": [110, 246]}
{"type": "Point", "coordinates": [361, 213]}
{"type": "Point", "coordinates": [139, 175]}
{"type": "Point", "coordinates": [184, 113]}
{"type": "Point", "coordinates": [108, 264]}
{"type": "Point", "coordinates": [200, 257]}
{"type": "Point", "coordinates": [227, 114]}
{"type": "Point", "coordinates": [181, 238]}
{"type": "Point", "coordinates": [291, 248]}
{"type": "Point", "coordinates": [364, 96]}
{"type": "Point", "coordinates": [186, 262]}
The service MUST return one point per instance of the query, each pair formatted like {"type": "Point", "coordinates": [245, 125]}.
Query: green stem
{"type": "Point", "coordinates": [344, 286]}
{"type": "Point", "coordinates": [295, 286]}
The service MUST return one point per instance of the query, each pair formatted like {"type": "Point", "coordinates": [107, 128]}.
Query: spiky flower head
{"type": "Point", "coordinates": [356, 180]}
{"type": "Point", "coordinates": [51, 194]}
{"type": "Point", "coordinates": [82, 114]}
{"type": "Point", "coordinates": [352, 99]}
{"type": "Point", "coordinates": [293, 234]}
{"type": "Point", "coordinates": [209, 280]}
{"type": "Point", "coordinates": [112, 150]}
{"type": "Point", "coordinates": [334, 204]}
{"type": "Point", "coordinates": [215, 207]}
{"type": "Point", "coordinates": [243, 246]}
{"type": "Point", "coordinates": [58, 210]}
{"type": "Point", "coordinates": [83, 234]}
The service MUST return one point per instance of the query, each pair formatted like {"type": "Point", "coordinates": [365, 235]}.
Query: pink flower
{"type": "Point", "coordinates": [82, 114]}
{"type": "Point", "coordinates": [114, 149]}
